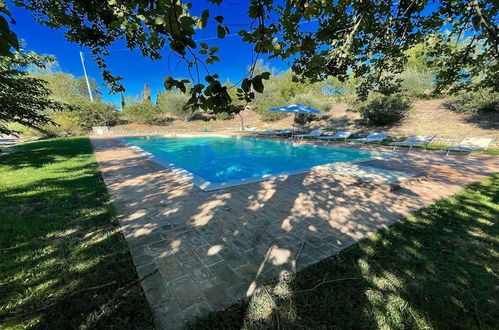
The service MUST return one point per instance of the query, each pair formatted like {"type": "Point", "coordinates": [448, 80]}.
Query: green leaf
{"type": "Point", "coordinates": [265, 75]}
{"type": "Point", "coordinates": [204, 45]}
{"type": "Point", "coordinates": [205, 14]}
{"type": "Point", "coordinates": [221, 33]}
{"type": "Point", "coordinates": [214, 49]}
{"type": "Point", "coordinates": [159, 20]}
{"type": "Point", "coordinates": [168, 83]}
{"type": "Point", "coordinates": [219, 19]}
{"type": "Point", "coordinates": [4, 26]}
{"type": "Point", "coordinates": [246, 85]}
{"type": "Point", "coordinates": [257, 84]}
{"type": "Point", "coordinates": [253, 10]}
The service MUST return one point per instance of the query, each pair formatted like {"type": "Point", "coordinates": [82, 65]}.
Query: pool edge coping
{"type": "Point", "coordinates": [208, 186]}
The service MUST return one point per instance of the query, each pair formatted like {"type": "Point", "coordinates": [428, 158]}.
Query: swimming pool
{"type": "Point", "coordinates": [214, 162]}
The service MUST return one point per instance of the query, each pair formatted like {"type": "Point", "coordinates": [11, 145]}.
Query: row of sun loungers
{"type": "Point", "coordinates": [467, 144]}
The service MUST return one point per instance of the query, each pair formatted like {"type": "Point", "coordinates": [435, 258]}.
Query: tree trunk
{"type": "Point", "coordinates": [242, 121]}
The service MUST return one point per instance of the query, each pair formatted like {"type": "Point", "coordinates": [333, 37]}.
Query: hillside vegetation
{"type": "Point", "coordinates": [427, 117]}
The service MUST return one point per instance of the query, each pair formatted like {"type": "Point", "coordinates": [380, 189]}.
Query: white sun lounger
{"type": "Point", "coordinates": [469, 144]}
{"type": "Point", "coordinates": [373, 137]}
{"type": "Point", "coordinates": [252, 130]}
{"type": "Point", "coordinates": [285, 131]}
{"type": "Point", "coordinates": [314, 134]}
{"type": "Point", "coordinates": [269, 132]}
{"type": "Point", "coordinates": [338, 135]}
{"type": "Point", "coordinates": [413, 140]}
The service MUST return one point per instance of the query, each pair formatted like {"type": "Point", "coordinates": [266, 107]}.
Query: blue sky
{"type": "Point", "coordinates": [235, 55]}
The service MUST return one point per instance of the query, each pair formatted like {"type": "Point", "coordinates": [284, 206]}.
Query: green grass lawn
{"type": "Point", "coordinates": [437, 269]}
{"type": "Point", "coordinates": [64, 264]}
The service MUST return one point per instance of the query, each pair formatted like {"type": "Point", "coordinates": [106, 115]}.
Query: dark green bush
{"type": "Point", "coordinates": [385, 110]}
{"type": "Point", "coordinates": [96, 114]}
{"type": "Point", "coordinates": [474, 102]}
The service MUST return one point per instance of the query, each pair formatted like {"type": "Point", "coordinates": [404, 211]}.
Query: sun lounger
{"type": "Point", "coordinates": [268, 132]}
{"type": "Point", "coordinates": [413, 140]}
{"type": "Point", "coordinates": [252, 130]}
{"type": "Point", "coordinates": [313, 134]}
{"type": "Point", "coordinates": [373, 137]}
{"type": "Point", "coordinates": [286, 131]}
{"type": "Point", "coordinates": [338, 135]}
{"type": "Point", "coordinates": [469, 144]}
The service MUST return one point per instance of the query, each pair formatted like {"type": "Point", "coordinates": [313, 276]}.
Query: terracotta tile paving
{"type": "Point", "coordinates": [198, 251]}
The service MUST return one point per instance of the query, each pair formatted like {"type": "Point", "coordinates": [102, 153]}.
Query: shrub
{"type": "Point", "coordinates": [80, 116]}
{"type": "Point", "coordinates": [144, 113]}
{"type": "Point", "coordinates": [173, 103]}
{"type": "Point", "coordinates": [68, 124]}
{"type": "Point", "coordinates": [96, 114]}
{"type": "Point", "coordinates": [474, 102]}
{"type": "Point", "coordinates": [223, 116]}
{"type": "Point", "coordinates": [384, 110]}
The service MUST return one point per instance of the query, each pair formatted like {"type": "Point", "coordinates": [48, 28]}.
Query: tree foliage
{"type": "Point", "coordinates": [24, 99]}
{"type": "Point", "coordinates": [8, 38]}
{"type": "Point", "coordinates": [174, 103]}
{"type": "Point", "coordinates": [78, 114]}
{"type": "Point", "coordinates": [146, 93]}
{"type": "Point", "coordinates": [283, 88]}
{"type": "Point", "coordinates": [141, 112]}
{"type": "Point", "coordinates": [82, 89]}
{"type": "Point", "coordinates": [364, 38]}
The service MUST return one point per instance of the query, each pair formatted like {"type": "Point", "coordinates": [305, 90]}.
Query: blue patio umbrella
{"type": "Point", "coordinates": [297, 108]}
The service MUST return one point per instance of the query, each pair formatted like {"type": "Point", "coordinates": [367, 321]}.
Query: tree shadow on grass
{"type": "Point", "coordinates": [64, 263]}
{"type": "Point", "coordinates": [46, 151]}
{"type": "Point", "coordinates": [485, 119]}
{"type": "Point", "coordinates": [435, 269]}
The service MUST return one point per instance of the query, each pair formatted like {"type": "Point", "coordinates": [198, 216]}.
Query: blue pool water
{"type": "Point", "coordinates": [224, 159]}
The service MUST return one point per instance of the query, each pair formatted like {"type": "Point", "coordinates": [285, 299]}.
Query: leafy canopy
{"type": "Point", "coordinates": [364, 38]}
{"type": "Point", "coordinates": [24, 99]}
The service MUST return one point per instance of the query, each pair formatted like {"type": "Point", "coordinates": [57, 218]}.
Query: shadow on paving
{"type": "Point", "coordinates": [437, 269]}
{"type": "Point", "coordinates": [203, 251]}
{"type": "Point", "coordinates": [63, 263]}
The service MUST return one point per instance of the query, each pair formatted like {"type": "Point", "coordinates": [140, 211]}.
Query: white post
{"type": "Point", "coordinates": [86, 78]}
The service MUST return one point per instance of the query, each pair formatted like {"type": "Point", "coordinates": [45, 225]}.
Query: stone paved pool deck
{"type": "Point", "coordinates": [198, 251]}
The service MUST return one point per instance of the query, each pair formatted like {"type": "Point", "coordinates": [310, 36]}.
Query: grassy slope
{"type": "Point", "coordinates": [59, 240]}
{"type": "Point", "coordinates": [437, 269]}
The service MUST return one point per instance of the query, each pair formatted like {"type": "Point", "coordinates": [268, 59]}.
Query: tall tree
{"type": "Point", "coordinates": [365, 38]}
{"type": "Point", "coordinates": [122, 101]}
{"type": "Point", "coordinates": [146, 93]}
{"type": "Point", "coordinates": [23, 98]}
{"type": "Point", "coordinates": [82, 89]}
